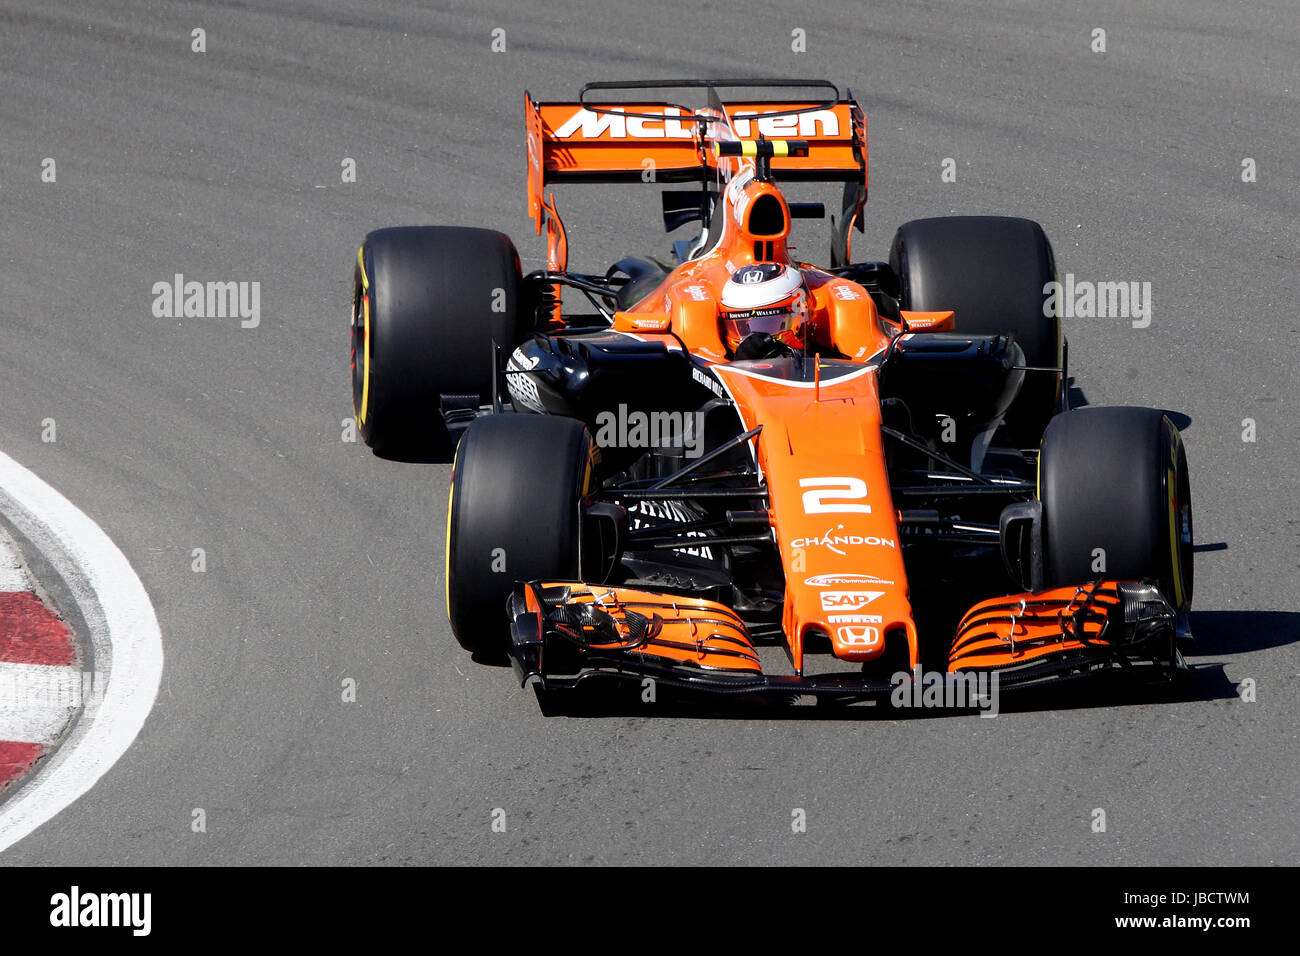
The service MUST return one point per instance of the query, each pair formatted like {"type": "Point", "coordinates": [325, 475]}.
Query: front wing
{"type": "Point", "coordinates": [565, 632]}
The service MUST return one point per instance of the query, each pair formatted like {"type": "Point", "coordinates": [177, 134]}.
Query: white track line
{"type": "Point", "coordinates": [125, 644]}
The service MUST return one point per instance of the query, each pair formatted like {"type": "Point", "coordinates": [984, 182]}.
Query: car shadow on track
{"type": "Point", "coordinates": [1236, 632]}
{"type": "Point", "coordinates": [1216, 633]}
{"type": "Point", "coordinates": [415, 456]}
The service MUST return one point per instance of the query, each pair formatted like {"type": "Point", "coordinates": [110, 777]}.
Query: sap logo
{"type": "Point", "coordinates": [613, 124]}
{"type": "Point", "coordinates": [859, 636]}
{"type": "Point", "coordinates": [848, 600]}
{"type": "Point", "coordinates": [831, 580]}
{"type": "Point", "coordinates": [707, 380]}
{"type": "Point", "coordinates": [805, 125]}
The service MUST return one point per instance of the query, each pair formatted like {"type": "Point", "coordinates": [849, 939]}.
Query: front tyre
{"type": "Point", "coordinates": [514, 514]}
{"type": "Point", "coordinates": [1117, 500]}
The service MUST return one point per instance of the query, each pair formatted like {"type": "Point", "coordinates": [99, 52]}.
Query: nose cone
{"type": "Point", "coordinates": [831, 506]}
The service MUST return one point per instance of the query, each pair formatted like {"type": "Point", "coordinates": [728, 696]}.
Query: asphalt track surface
{"type": "Point", "coordinates": [325, 563]}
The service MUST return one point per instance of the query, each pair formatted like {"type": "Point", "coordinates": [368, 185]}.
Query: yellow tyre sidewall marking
{"type": "Point", "coordinates": [365, 369]}
{"type": "Point", "coordinates": [365, 358]}
{"type": "Point", "coordinates": [446, 570]}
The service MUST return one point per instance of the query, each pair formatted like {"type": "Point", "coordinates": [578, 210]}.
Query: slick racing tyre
{"type": "Point", "coordinates": [1117, 501]}
{"type": "Point", "coordinates": [513, 514]}
{"type": "Point", "coordinates": [427, 304]}
{"type": "Point", "coordinates": [991, 272]}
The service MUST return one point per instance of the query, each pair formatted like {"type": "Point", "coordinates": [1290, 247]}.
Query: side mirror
{"type": "Point", "coordinates": [928, 321]}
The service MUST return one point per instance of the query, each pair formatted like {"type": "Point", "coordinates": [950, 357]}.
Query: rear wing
{"type": "Point", "coordinates": [657, 141]}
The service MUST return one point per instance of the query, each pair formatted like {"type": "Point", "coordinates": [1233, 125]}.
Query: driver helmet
{"type": "Point", "coordinates": [768, 298]}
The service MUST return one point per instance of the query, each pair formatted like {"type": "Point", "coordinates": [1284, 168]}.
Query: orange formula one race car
{"type": "Point", "coordinates": [873, 466]}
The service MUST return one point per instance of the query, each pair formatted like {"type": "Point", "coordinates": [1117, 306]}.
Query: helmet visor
{"type": "Point", "coordinates": [769, 320]}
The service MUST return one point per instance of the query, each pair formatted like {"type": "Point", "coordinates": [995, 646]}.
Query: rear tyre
{"type": "Point", "coordinates": [1117, 501]}
{"type": "Point", "coordinates": [991, 272]}
{"type": "Point", "coordinates": [427, 303]}
{"type": "Point", "coordinates": [513, 514]}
